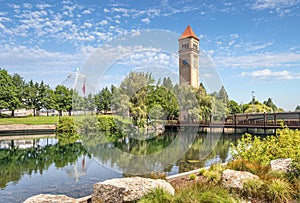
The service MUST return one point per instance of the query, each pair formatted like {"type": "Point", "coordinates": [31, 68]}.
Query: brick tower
{"type": "Point", "coordinates": [189, 58]}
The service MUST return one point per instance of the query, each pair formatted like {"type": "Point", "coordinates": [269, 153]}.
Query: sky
{"type": "Point", "coordinates": [254, 45]}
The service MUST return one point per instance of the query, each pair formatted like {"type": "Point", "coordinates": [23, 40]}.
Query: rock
{"type": "Point", "coordinates": [281, 164]}
{"type": "Point", "coordinates": [46, 198]}
{"type": "Point", "coordinates": [121, 190]}
{"type": "Point", "coordinates": [235, 179]}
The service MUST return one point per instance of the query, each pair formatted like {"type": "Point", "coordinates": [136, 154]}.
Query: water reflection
{"type": "Point", "coordinates": [29, 167]}
{"type": "Point", "coordinates": [27, 157]}
{"type": "Point", "coordinates": [131, 156]}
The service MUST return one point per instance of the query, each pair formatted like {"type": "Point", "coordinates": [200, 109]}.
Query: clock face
{"type": "Point", "coordinates": [185, 62]}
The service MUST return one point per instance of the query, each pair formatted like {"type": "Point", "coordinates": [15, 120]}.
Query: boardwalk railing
{"type": "Point", "coordinates": [263, 120]}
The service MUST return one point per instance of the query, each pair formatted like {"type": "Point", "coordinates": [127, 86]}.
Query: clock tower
{"type": "Point", "coordinates": [189, 58]}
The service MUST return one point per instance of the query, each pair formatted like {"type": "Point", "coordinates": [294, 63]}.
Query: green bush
{"type": "Point", "coordinates": [283, 145]}
{"type": "Point", "coordinates": [218, 195]}
{"type": "Point", "coordinates": [66, 130]}
{"type": "Point", "coordinates": [157, 196]}
{"type": "Point", "coordinates": [193, 176]}
{"type": "Point", "coordinates": [65, 125]}
{"type": "Point", "coordinates": [253, 188]}
{"type": "Point", "coordinates": [279, 191]}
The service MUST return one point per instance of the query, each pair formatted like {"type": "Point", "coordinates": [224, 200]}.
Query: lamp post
{"type": "Point", "coordinates": [253, 100]}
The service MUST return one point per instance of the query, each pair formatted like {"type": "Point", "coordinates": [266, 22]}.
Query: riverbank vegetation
{"type": "Point", "coordinates": [253, 155]}
{"type": "Point", "coordinates": [139, 97]}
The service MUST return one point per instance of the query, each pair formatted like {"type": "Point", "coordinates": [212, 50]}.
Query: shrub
{"type": "Point", "coordinates": [218, 195]}
{"type": "Point", "coordinates": [284, 145]}
{"type": "Point", "coordinates": [65, 125]}
{"type": "Point", "coordinates": [202, 171]}
{"type": "Point", "coordinates": [193, 176]}
{"type": "Point", "coordinates": [253, 188]}
{"type": "Point", "coordinates": [279, 191]}
{"type": "Point", "coordinates": [250, 166]}
{"type": "Point", "coordinates": [212, 176]}
{"type": "Point", "coordinates": [157, 196]}
{"type": "Point", "coordinates": [158, 175]}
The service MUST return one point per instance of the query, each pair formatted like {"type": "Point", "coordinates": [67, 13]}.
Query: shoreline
{"type": "Point", "coordinates": [15, 129]}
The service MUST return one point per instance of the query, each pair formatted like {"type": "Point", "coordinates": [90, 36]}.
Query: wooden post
{"type": "Point", "coordinates": [265, 121]}
{"type": "Point", "coordinates": [275, 120]}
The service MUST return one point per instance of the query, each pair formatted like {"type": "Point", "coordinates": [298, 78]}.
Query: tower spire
{"type": "Point", "coordinates": [188, 32]}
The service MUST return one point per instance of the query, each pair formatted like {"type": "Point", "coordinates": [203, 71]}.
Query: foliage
{"type": "Point", "coordinates": [193, 176]}
{"type": "Point", "coordinates": [279, 191]}
{"type": "Point", "coordinates": [297, 108]}
{"type": "Point", "coordinates": [254, 188]}
{"type": "Point", "coordinates": [63, 99]}
{"type": "Point", "coordinates": [234, 108]}
{"type": "Point", "coordinates": [8, 92]}
{"type": "Point", "coordinates": [250, 166]}
{"type": "Point", "coordinates": [66, 130]}
{"type": "Point", "coordinates": [284, 145]}
{"type": "Point", "coordinates": [158, 175]}
{"type": "Point", "coordinates": [158, 195]}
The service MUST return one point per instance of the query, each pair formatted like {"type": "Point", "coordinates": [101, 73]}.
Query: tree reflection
{"type": "Point", "coordinates": [14, 162]}
{"type": "Point", "coordinates": [122, 155]}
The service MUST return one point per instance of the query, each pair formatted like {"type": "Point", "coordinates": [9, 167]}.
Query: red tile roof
{"type": "Point", "coordinates": [188, 33]}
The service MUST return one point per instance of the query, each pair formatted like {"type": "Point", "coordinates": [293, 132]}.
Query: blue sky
{"type": "Point", "coordinates": [254, 45]}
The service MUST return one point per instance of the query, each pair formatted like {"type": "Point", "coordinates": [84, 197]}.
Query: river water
{"type": "Point", "coordinates": [30, 167]}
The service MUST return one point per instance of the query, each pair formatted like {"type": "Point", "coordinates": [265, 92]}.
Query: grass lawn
{"type": "Point", "coordinates": [37, 120]}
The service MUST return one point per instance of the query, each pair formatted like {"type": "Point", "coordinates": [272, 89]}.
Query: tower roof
{"type": "Point", "coordinates": [188, 32]}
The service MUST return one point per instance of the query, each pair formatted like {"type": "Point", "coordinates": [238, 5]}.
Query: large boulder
{"type": "Point", "coordinates": [281, 164]}
{"type": "Point", "coordinates": [121, 190]}
{"type": "Point", "coordinates": [235, 179]}
{"type": "Point", "coordinates": [46, 198]}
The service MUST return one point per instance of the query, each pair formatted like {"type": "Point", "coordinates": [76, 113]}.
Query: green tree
{"type": "Point", "coordinates": [234, 108]}
{"type": "Point", "coordinates": [19, 84]}
{"type": "Point", "coordinates": [33, 96]}
{"type": "Point", "coordinates": [297, 108]}
{"type": "Point", "coordinates": [270, 104]}
{"type": "Point", "coordinates": [8, 92]}
{"type": "Point", "coordinates": [103, 100]}
{"type": "Point", "coordinates": [63, 99]}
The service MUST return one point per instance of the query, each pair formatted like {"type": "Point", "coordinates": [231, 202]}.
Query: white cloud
{"type": "Point", "coordinates": [146, 20]}
{"type": "Point", "coordinates": [253, 47]}
{"type": "Point", "coordinates": [273, 4]}
{"type": "Point", "coordinates": [105, 10]}
{"type": "Point", "coordinates": [2, 26]}
{"type": "Point", "coordinates": [87, 11]}
{"type": "Point", "coordinates": [265, 60]}
{"type": "Point", "coordinates": [103, 22]}
{"type": "Point", "coordinates": [27, 5]}
{"type": "Point", "coordinates": [234, 36]}
{"type": "Point", "coordinates": [267, 74]}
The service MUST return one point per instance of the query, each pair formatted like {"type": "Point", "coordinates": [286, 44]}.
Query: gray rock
{"type": "Point", "coordinates": [281, 164]}
{"type": "Point", "coordinates": [46, 198]}
{"type": "Point", "coordinates": [121, 190]}
{"type": "Point", "coordinates": [235, 179]}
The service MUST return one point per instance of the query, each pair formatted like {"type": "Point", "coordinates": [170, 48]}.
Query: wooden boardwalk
{"type": "Point", "coordinates": [258, 121]}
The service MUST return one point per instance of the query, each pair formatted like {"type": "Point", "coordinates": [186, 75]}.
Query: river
{"type": "Point", "coordinates": [34, 166]}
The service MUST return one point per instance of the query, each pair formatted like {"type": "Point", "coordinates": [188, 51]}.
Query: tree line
{"type": "Point", "coordinates": [139, 96]}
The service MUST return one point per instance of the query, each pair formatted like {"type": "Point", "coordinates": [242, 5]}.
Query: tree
{"type": "Point", "coordinates": [33, 96]}
{"type": "Point", "coordinates": [47, 97]}
{"type": "Point", "coordinates": [270, 104]}
{"type": "Point", "coordinates": [19, 84]}
{"type": "Point", "coordinates": [223, 96]}
{"type": "Point", "coordinates": [103, 100]}
{"type": "Point", "coordinates": [297, 108]}
{"type": "Point", "coordinates": [234, 108]}
{"type": "Point", "coordinates": [8, 92]}
{"type": "Point", "coordinates": [63, 99]}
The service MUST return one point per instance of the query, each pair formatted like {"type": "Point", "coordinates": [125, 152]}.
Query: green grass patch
{"type": "Point", "coordinates": [37, 120]}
